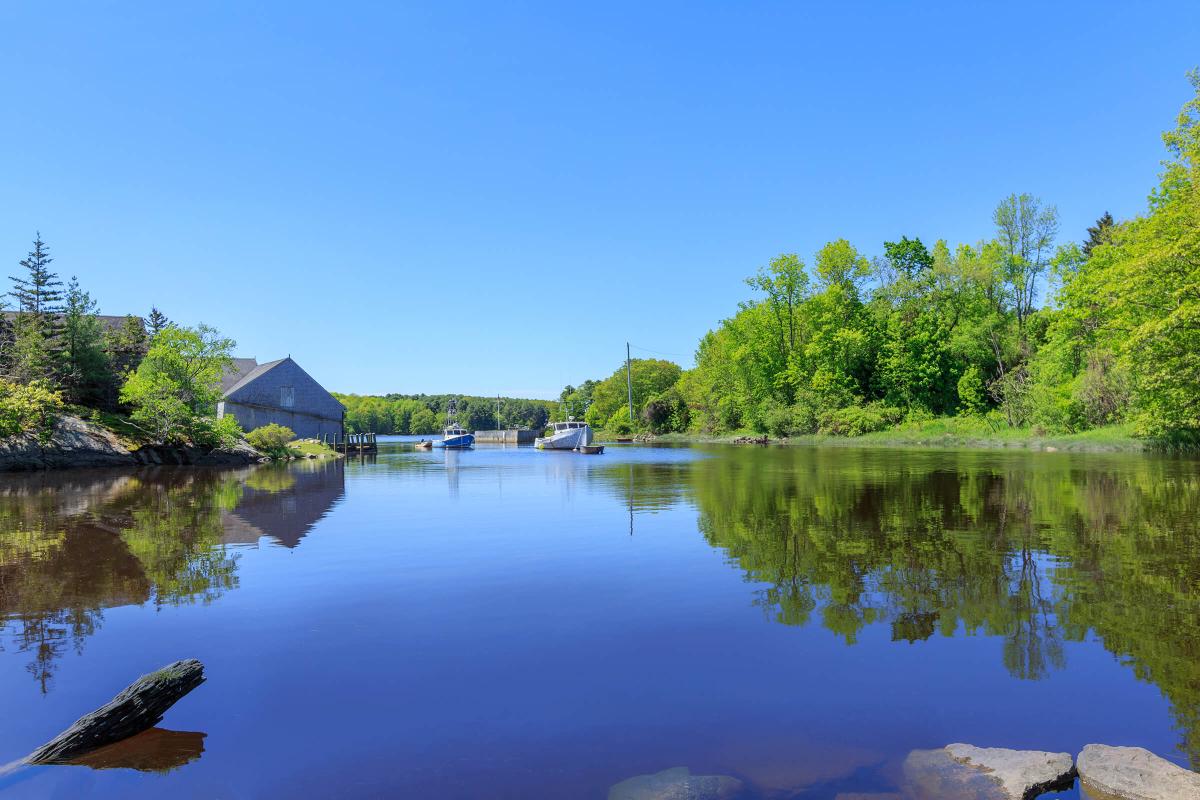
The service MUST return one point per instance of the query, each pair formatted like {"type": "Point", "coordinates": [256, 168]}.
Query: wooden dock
{"type": "Point", "coordinates": [351, 442]}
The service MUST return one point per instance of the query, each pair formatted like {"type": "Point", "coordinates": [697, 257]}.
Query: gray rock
{"type": "Point", "coordinates": [73, 443]}
{"type": "Point", "coordinates": [935, 775]}
{"type": "Point", "coordinates": [985, 773]}
{"type": "Point", "coordinates": [1132, 773]}
{"type": "Point", "coordinates": [1023, 774]}
{"type": "Point", "coordinates": [677, 783]}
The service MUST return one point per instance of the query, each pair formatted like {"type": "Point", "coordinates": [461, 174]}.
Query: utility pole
{"type": "Point", "coordinates": [498, 413]}
{"type": "Point", "coordinates": [629, 381]}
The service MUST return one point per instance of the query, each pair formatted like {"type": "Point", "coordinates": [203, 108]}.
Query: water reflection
{"type": "Point", "coordinates": [155, 750]}
{"type": "Point", "coordinates": [74, 544]}
{"type": "Point", "coordinates": [1035, 549]}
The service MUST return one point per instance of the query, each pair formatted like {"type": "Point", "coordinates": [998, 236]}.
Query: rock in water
{"type": "Point", "coordinates": [676, 784]}
{"type": "Point", "coordinates": [1131, 773]}
{"type": "Point", "coordinates": [986, 773]}
{"type": "Point", "coordinates": [140, 706]}
{"type": "Point", "coordinates": [1023, 774]}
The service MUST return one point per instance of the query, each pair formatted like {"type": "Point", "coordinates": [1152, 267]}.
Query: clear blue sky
{"type": "Point", "coordinates": [496, 196]}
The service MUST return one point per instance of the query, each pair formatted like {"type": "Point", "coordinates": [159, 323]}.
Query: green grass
{"type": "Point", "coordinates": [303, 448]}
{"type": "Point", "coordinates": [961, 432]}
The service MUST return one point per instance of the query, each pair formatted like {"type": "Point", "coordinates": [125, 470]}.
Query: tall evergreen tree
{"type": "Point", "coordinates": [39, 291]}
{"type": "Point", "coordinates": [84, 365]}
{"type": "Point", "coordinates": [1098, 234]}
{"type": "Point", "coordinates": [37, 327]}
{"type": "Point", "coordinates": [156, 322]}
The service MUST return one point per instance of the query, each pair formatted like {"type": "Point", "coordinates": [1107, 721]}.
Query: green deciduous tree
{"type": "Point", "coordinates": [177, 385]}
{"type": "Point", "coordinates": [1026, 229]}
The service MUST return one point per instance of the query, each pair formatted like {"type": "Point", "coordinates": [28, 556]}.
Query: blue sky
{"type": "Point", "coordinates": [494, 197]}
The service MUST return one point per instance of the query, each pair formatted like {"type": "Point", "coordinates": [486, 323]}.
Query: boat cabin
{"type": "Point", "coordinates": [454, 430]}
{"type": "Point", "coordinates": [559, 427]}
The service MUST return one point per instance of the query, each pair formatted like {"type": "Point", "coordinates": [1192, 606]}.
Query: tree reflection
{"type": "Point", "coordinates": [75, 544]}
{"type": "Point", "coordinates": [1036, 549]}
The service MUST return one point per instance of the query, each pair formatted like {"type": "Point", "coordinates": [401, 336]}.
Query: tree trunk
{"type": "Point", "coordinates": [140, 706]}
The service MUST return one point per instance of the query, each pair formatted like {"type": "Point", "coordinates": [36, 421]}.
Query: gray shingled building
{"type": "Point", "coordinates": [280, 392]}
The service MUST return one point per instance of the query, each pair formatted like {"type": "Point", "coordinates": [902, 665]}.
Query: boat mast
{"type": "Point", "coordinates": [629, 381]}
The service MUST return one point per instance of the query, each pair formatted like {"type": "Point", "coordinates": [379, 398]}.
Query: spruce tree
{"type": "Point", "coordinates": [84, 367]}
{"type": "Point", "coordinates": [37, 327]}
{"type": "Point", "coordinates": [156, 322]}
{"type": "Point", "coordinates": [40, 291]}
{"type": "Point", "coordinates": [1098, 234]}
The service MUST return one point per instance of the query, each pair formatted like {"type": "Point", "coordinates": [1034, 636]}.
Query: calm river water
{"type": "Point", "coordinates": [508, 623]}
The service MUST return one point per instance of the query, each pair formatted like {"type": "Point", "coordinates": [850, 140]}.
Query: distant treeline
{"type": "Point", "coordinates": [426, 413]}
{"type": "Point", "coordinates": [1021, 330]}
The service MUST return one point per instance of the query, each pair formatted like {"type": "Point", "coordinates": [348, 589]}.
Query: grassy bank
{"type": "Point", "coordinates": [303, 448]}
{"type": "Point", "coordinates": [962, 432]}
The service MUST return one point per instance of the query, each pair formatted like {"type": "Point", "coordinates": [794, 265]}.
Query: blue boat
{"type": "Point", "coordinates": [453, 436]}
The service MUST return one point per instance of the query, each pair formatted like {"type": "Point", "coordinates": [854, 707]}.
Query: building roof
{"type": "Point", "coordinates": [237, 370]}
{"type": "Point", "coordinates": [254, 373]}
{"type": "Point", "coordinates": [108, 321]}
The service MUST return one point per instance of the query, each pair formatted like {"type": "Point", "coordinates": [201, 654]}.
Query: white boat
{"type": "Point", "coordinates": [453, 436]}
{"type": "Point", "coordinates": [565, 436]}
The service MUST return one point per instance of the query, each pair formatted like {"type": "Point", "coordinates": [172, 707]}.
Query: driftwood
{"type": "Point", "coordinates": [140, 706]}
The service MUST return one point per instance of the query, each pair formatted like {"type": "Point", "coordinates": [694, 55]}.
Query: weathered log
{"type": "Point", "coordinates": [140, 706]}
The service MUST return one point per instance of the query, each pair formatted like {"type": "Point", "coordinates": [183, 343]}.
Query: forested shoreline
{"type": "Point", "coordinates": [1027, 330]}
{"type": "Point", "coordinates": [426, 413]}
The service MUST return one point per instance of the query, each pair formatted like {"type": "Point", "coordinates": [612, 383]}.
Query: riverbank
{"type": "Point", "coordinates": [75, 442]}
{"type": "Point", "coordinates": [957, 433]}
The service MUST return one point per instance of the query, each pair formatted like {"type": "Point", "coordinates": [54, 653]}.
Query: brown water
{"type": "Point", "coordinates": [510, 623]}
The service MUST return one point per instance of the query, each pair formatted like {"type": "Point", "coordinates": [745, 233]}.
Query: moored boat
{"type": "Point", "coordinates": [565, 436]}
{"type": "Point", "coordinates": [453, 436]}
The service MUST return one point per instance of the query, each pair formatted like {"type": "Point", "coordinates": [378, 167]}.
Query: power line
{"type": "Point", "coordinates": [658, 352]}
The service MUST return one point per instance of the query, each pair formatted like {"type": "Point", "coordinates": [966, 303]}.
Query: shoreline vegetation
{"type": "Point", "coordinates": [951, 434]}
{"type": "Point", "coordinates": [1018, 340]}
{"type": "Point", "coordinates": [80, 389]}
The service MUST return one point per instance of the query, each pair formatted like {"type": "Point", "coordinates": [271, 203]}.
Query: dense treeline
{"type": "Point", "coordinates": [1020, 330]}
{"type": "Point", "coordinates": [426, 413]}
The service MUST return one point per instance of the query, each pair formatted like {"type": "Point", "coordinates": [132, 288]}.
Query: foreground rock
{"type": "Point", "coordinates": [76, 442]}
{"type": "Point", "coordinates": [1131, 773]}
{"type": "Point", "coordinates": [73, 443]}
{"type": "Point", "coordinates": [139, 707]}
{"type": "Point", "coordinates": [676, 784]}
{"type": "Point", "coordinates": [985, 773]}
{"type": "Point", "coordinates": [1023, 774]}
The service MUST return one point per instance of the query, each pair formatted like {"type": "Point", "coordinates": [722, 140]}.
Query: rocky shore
{"type": "Point", "coordinates": [966, 772]}
{"type": "Point", "coordinates": [75, 442]}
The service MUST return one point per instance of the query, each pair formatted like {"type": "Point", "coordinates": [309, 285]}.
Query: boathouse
{"type": "Point", "coordinates": [280, 392]}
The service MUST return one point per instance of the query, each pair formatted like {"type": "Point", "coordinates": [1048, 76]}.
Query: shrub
{"type": "Point", "coordinates": [972, 394]}
{"type": "Point", "coordinates": [619, 424]}
{"type": "Point", "coordinates": [271, 439]}
{"type": "Point", "coordinates": [858, 420]}
{"type": "Point", "coordinates": [793, 420]}
{"type": "Point", "coordinates": [1012, 393]}
{"type": "Point", "coordinates": [28, 408]}
{"type": "Point", "coordinates": [216, 432]}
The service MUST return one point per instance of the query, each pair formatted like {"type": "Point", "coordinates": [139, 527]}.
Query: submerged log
{"type": "Point", "coordinates": [140, 706]}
